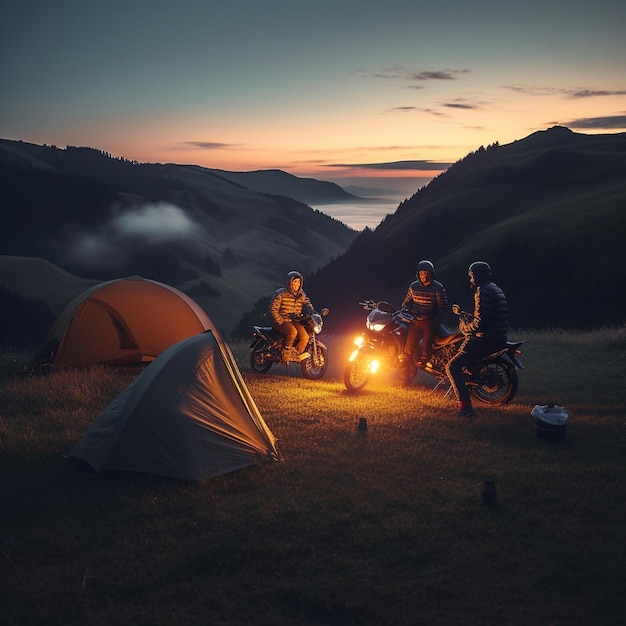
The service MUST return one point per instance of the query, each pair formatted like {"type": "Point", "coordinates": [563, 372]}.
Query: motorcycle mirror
{"type": "Point", "coordinates": [456, 309]}
{"type": "Point", "coordinates": [324, 311]}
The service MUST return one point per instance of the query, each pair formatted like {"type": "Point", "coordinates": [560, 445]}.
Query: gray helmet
{"type": "Point", "coordinates": [479, 273]}
{"type": "Point", "coordinates": [425, 266]}
{"type": "Point", "coordinates": [292, 276]}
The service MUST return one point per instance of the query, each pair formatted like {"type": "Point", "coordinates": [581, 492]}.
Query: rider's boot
{"type": "Point", "coordinates": [299, 353]}
{"type": "Point", "coordinates": [288, 353]}
{"type": "Point", "coordinates": [464, 409]}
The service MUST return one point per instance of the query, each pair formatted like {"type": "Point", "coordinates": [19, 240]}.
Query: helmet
{"type": "Point", "coordinates": [479, 273]}
{"type": "Point", "coordinates": [291, 277]}
{"type": "Point", "coordinates": [425, 266]}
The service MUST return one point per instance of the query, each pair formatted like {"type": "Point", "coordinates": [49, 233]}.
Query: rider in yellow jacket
{"type": "Point", "coordinates": [286, 303]}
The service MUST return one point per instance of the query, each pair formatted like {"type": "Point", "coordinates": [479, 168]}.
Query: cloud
{"type": "Point", "coordinates": [209, 145]}
{"type": "Point", "coordinates": [147, 224]}
{"type": "Point", "coordinates": [94, 249]}
{"type": "Point", "coordinates": [610, 121]}
{"type": "Point", "coordinates": [397, 165]}
{"type": "Point", "coordinates": [459, 105]}
{"type": "Point", "coordinates": [406, 109]}
{"type": "Point", "coordinates": [534, 90]}
{"type": "Point", "coordinates": [591, 93]}
{"type": "Point", "coordinates": [414, 109]}
{"type": "Point", "coordinates": [436, 75]}
{"type": "Point", "coordinates": [406, 74]}
{"type": "Point", "coordinates": [154, 223]}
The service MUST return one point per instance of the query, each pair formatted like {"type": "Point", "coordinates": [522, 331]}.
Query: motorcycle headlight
{"type": "Point", "coordinates": [377, 328]}
{"type": "Point", "coordinates": [316, 323]}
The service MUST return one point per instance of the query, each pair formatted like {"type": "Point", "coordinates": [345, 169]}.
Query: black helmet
{"type": "Point", "coordinates": [291, 277]}
{"type": "Point", "coordinates": [479, 273]}
{"type": "Point", "coordinates": [425, 266]}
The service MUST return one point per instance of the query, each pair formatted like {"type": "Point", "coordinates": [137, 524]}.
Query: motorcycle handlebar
{"type": "Point", "coordinates": [301, 317]}
{"type": "Point", "coordinates": [464, 315]}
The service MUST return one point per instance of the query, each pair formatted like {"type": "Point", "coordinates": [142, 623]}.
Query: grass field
{"type": "Point", "coordinates": [356, 528]}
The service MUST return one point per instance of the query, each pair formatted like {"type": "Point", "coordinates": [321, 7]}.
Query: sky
{"type": "Point", "coordinates": [383, 95]}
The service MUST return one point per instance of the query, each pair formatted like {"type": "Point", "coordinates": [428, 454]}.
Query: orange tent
{"type": "Point", "coordinates": [128, 320]}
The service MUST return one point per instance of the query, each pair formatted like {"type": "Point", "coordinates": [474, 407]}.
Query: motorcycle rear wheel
{"type": "Point", "coordinates": [258, 362]}
{"type": "Point", "coordinates": [497, 382]}
{"type": "Point", "coordinates": [357, 373]}
{"type": "Point", "coordinates": [314, 368]}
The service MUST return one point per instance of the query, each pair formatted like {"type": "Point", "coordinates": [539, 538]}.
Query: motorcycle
{"type": "Point", "coordinates": [492, 380]}
{"type": "Point", "coordinates": [267, 347]}
{"type": "Point", "coordinates": [382, 342]}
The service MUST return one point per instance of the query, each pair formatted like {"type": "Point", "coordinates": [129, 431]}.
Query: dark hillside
{"type": "Point", "coordinates": [98, 217]}
{"type": "Point", "coordinates": [547, 212]}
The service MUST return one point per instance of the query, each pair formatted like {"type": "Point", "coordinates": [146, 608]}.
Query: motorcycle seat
{"type": "Point", "coordinates": [445, 336]}
{"type": "Point", "coordinates": [270, 331]}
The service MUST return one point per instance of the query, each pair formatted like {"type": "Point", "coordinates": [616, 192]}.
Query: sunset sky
{"type": "Point", "coordinates": [341, 90]}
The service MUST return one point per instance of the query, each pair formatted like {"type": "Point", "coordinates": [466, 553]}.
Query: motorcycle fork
{"type": "Point", "coordinates": [314, 349]}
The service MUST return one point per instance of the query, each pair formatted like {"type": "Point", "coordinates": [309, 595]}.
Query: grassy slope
{"type": "Point", "coordinates": [380, 528]}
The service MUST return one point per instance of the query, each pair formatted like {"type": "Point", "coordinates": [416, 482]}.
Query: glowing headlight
{"type": "Point", "coordinates": [375, 327]}
{"type": "Point", "coordinates": [359, 341]}
{"type": "Point", "coordinates": [317, 323]}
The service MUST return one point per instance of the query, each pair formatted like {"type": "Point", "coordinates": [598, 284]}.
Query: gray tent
{"type": "Point", "coordinates": [188, 415]}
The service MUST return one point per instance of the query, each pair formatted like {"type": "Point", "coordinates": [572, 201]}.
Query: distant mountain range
{"type": "Point", "coordinates": [548, 212]}
{"type": "Point", "coordinates": [96, 217]}
{"type": "Point", "coordinates": [308, 190]}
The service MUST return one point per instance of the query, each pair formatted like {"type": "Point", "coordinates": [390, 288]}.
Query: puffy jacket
{"type": "Point", "coordinates": [426, 302]}
{"type": "Point", "coordinates": [491, 313]}
{"type": "Point", "coordinates": [284, 303]}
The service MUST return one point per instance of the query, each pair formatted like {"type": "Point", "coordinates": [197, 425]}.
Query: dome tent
{"type": "Point", "coordinates": [188, 415]}
{"type": "Point", "coordinates": [127, 320]}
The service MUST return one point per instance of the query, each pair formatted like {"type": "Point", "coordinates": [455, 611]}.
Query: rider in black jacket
{"type": "Point", "coordinates": [485, 333]}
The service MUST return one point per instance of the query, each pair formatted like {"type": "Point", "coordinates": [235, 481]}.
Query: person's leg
{"type": "Point", "coordinates": [428, 337]}
{"type": "Point", "coordinates": [303, 338]}
{"type": "Point", "coordinates": [290, 332]}
{"type": "Point", "coordinates": [464, 357]}
{"type": "Point", "coordinates": [406, 359]}
{"type": "Point", "coordinates": [454, 370]}
{"type": "Point", "coordinates": [419, 342]}
{"type": "Point", "coordinates": [411, 340]}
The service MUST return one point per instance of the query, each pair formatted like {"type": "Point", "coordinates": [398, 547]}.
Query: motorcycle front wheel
{"type": "Point", "coordinates": [315, 366]}
{"type": "Point", "coordinates": [258, 362]}
{"type": "Point", "coordinates": [357, 373]}
{"type": "Point", "coordinates": [494, 382]}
